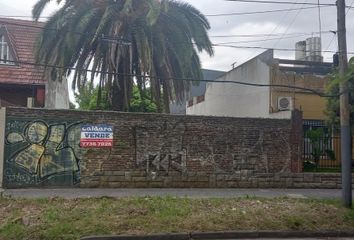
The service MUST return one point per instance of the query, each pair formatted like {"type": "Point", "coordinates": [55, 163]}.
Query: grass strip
{"type": "Point", "coordinates": [57, 218]}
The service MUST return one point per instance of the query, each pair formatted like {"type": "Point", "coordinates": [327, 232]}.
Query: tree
{"type": "Point", "coordinates": [87, 100]}
{"type": "Point", "coordinates": [332, 105]}
{"type": "Point", "coordinates": [141, 101]}
{"type": "Point", "coordinates": [87, 96]}
{"type": "Point", "coordinates": [320, 145]}
{"type": "Point", "coordinates": [155, 40]}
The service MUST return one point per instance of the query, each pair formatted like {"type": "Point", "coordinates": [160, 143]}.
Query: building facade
{"type": "Point", "coordinates": [255, 90]}
{"type": "Point", "coordinates": [22, 81]}
{"type": "Point", "coordinates": [196, 90]}
{"type": "Point", "coordinates": [265, 87]}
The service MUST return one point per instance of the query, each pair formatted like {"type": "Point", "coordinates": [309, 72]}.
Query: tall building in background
{"type": "Point", "coordinates": [309, 50]}
{"type": "Point", "coordinates": [300, 51]}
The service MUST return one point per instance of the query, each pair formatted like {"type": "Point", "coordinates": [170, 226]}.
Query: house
{"type": "Point", "coordinates": [22, 82]}
{"type": "Point", "coordinates": [195, 91]}
{"type": "Point", "coordinates": [265, 101]}
{"type": "Point", "coordinates": [260, 95]}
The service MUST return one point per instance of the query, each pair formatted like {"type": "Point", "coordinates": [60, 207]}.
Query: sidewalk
{"type": "Point", "coordinates": [70, 193]}
{"type": "Point", "coordinates": [276, 235]}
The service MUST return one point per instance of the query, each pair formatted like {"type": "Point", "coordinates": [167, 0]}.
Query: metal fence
{"type": "Point", "coordinates": [325, 153]}
{"type": "Point", "coordinates": [321, 150]}
{"type": "Point", "coordinates": [322, 146]}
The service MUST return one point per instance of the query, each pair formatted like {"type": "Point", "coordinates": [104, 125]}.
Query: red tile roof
{"type": "Point", "coordinates": [22, 35]}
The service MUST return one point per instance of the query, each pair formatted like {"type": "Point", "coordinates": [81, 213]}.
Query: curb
{"type": "Point", "coordinates": [181, 236]}
{"type": "Point", "coordinates": [269, 234]}
{"type": "Point", "coordinates": [228, 235]}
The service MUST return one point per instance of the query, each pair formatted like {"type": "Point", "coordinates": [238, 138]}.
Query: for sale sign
{"type": "Point", "coordinates": [96, 136]}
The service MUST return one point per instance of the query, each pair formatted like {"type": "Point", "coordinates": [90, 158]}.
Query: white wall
{"type": "Point", "coordinates": [57, 94]}
{"type": "Point", "coordinates": [235, 100]}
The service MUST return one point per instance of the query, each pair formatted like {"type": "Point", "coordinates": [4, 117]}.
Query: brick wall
{"type": "Point", "coordinates": [150, 150]}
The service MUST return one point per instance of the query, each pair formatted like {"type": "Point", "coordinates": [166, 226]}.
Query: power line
{"type": "Point", "coordinates": [20, 16]}
{"type": "Point", "coordinates": [122, 40]}
{"type": "Point", "coordinates": [265, 34]}
{"type": "Point", "coordinates": [103, 37]}
{"type": "Point", "coordinates": [282, 2]}
{"type": "Point", "coordinates": [292, 22]}
{"type": "Point", "coordinates": [225, 45]}
{"type": "Point", "coordinates": [207, 15]}
{"type": "Point", "coordinates": [215, 36]}
{"type": "Point", "coordinates": [265, 48]}
{"type": "Point", "coordinates": [258, 12]}
{"type": "Point", "coordinates": [109, 38]}
{"type": "Point", "coordinates": [334, 36]}
{"type": "Point", "coordinates": [262, 40]}
{"type": "Point", "coordinates": [321, 94]}
{"type": "Point", "coordinates": [320, 21]}
{"type": "Point", "coordinates": [276, 27]}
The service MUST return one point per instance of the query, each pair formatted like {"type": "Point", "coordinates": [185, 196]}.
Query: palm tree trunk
{"type": "Point", "coordinates": [166, 87]}
{"type": "Point", "coordinates": [117, 95]}
{"type": "Point", "coordinates": [166, 96]}
{"type": "Point", "coordinates": [156, 89]}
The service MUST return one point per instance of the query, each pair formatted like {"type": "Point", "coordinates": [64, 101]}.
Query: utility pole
{"type": "Point", "coordinates": [346, 151]}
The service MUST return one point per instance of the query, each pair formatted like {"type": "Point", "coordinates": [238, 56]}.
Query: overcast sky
{"type": "Point", "coordinates": [280, 24]}
{"type": "Point", "coordinates": [298, 21]}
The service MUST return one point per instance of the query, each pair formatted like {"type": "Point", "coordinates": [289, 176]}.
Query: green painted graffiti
{"type": "Point", "coordinates": [42, 153]}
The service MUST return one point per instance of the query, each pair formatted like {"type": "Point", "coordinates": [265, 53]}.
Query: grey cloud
{"type": "Point", "coordinates": [305, 21]}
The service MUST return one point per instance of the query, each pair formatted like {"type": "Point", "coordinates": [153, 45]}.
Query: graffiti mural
{"type": "Point", "coordinates": [42, 153]}
{"type": "Point", "coordinates": [160, 150]}
{"type": "Point", "coordinates": [250, 157]}
{"type": "Point", "coordinates": [165, 148]}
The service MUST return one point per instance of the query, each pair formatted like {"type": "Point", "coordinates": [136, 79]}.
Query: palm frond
{"type": "Point", "coordinates": [165, 38]}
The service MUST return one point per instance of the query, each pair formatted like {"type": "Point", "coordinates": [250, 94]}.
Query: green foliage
{"type": "Point", "coordinates": [88, 95]}
{"type": "Point", "coordinates": [309, 166]}
{"type": "Point", "coordinates": [350, 215]}
{"type": "Point", "coordinates": [319, 146]}
{"type": "Point", "coordinates": [11, 230]}
{"type": "Point", "coordinates": [58, 218]}
{"type": "Point", "coordinates": [332, 106]}
{"type": "Point", "coordinates": [143, 103]}
{"type": "Point", "coordinates": [316, 136]}
{"type": "Point", "coordinates": [87, 99]}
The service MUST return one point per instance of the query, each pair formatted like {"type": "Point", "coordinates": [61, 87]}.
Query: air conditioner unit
{"type": "Point", "coordinates": [285, 103]}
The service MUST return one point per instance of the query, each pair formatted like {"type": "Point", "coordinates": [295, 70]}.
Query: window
{"type": "Point", "coordinates": [5, 54]}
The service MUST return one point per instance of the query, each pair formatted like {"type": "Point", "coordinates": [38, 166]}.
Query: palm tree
{"type": "Point", "coordinates": [157, 41]}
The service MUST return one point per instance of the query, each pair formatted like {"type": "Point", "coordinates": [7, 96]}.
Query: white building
{"type": "Point", "coordinates": [237, 100]}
